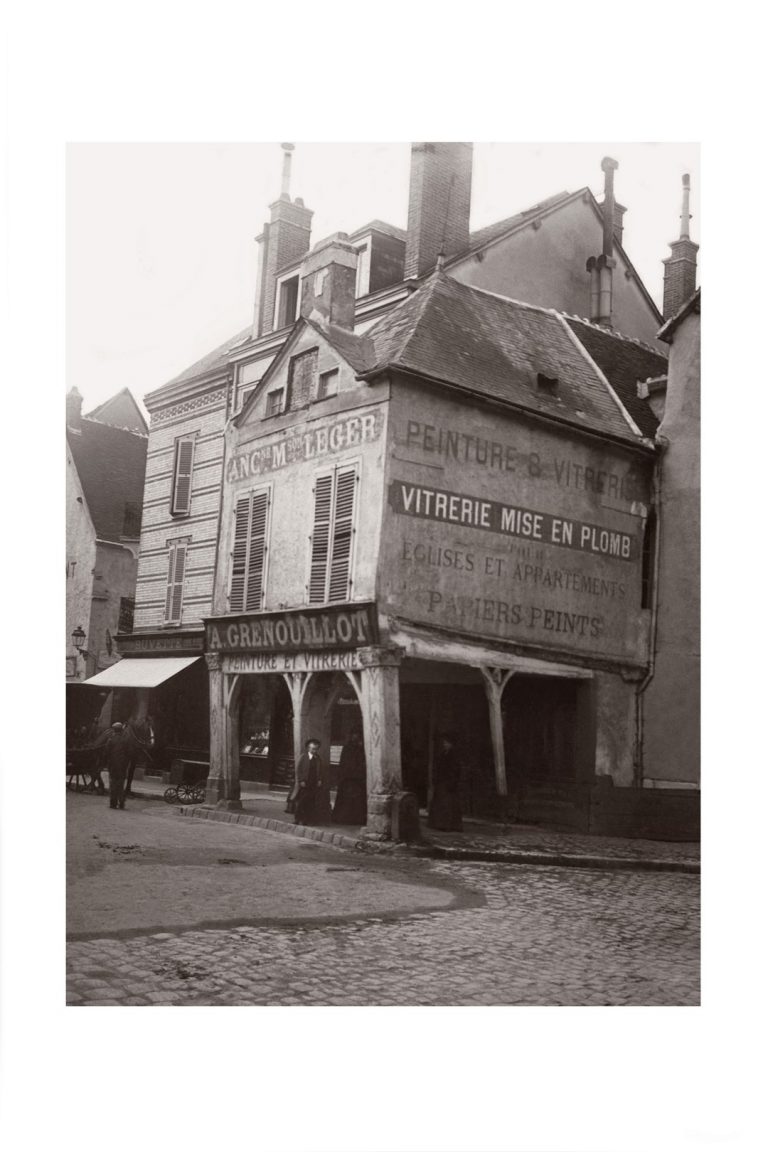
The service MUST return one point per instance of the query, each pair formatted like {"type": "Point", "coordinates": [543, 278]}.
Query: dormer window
{"type": "Point", "coordinates": [275, 402]}
{"type": "Point", "coordinates": [287, 300]}
{"type": "Point", "coordinates": [546, 384]}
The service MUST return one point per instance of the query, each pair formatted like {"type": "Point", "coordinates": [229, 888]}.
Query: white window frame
{"type": "Point", "coordinates": [179, 442]}
{"type": "Point", "coordinates": [249, 494]}
{"type": "Point", "coordinates": [335, 470]}
{"type": "Point", "coordinates": [279, 282]}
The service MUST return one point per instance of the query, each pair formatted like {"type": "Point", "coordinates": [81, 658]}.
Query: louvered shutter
{"type": "Point", "coordinates": [321, 534]}
{"type": "Point", "coordinates": [175, 591]}
{"type": "Point", "coordinates": [182, 477]}
{"type": "Point", "coordinates": [239, 555]}
{"type": "Point", "coordinates": [256, 551]}
{"type": "Point", "coordinates": [341, 552]}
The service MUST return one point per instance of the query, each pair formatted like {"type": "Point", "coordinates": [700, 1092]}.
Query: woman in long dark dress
{"type": "Point", "coordinates": [445, 807]}
{"type": "Point", "coordinates": [351, 805]}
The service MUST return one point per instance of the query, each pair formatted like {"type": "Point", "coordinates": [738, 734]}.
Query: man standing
{"type": "Point", "coordinates": [311, 792]}
{"type": "Point", "coordinates": [118, 753]}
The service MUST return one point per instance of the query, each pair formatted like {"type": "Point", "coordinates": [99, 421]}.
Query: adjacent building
{"type": "Point", "coordinates": [404, 500]}
{"type": "Point", "coordinates": [106, 457]}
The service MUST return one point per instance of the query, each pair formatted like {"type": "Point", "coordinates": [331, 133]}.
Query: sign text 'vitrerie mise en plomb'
{"type": "Point", "coordinates": [491, 516]}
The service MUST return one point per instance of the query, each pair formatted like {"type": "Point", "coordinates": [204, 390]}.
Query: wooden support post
{"type": "Point", "coordinates": [495, 681]}
{"type": "Point", "coordinates": [380, 683]}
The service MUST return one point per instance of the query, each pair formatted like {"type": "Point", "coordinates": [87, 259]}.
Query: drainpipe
{"type": "Point", "coordinates": [662, 443]}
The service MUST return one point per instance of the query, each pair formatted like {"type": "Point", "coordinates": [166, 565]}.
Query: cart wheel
{"type": "Point", "coordinates": [171, 796]}
{"type": "Point", "coordinates": [198, 794]}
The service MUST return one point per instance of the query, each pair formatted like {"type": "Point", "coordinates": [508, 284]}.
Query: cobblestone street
{"type": "Point", "coordinates": [169, 911]}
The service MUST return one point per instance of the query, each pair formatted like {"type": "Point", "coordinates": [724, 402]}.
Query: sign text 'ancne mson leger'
{"type": "Point", "coordinates": [311, 444]}
{"type": "Point", "coordinates": [353, 626]}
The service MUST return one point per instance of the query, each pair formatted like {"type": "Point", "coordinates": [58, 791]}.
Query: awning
{"type": "Point", "coordinates": [146, 673]}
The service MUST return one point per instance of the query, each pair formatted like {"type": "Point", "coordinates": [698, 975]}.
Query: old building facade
{"type": "Point", "coordinates": [400, 500]}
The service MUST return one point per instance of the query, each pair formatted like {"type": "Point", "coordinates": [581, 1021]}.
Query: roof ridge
{"type": "Point", "coordinates": [615, 333]}
{"type": "Point", "coordinates": [113, 427]}
{"type": "Point", "coordinates": [601, 374]}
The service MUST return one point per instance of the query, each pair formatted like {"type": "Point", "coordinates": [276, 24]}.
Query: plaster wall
{"type": "Point", "coordinates": [285, 454]}
{"type": "Point", "coordinates": [547, 266]}
{"type": "Point", "coordinates": [615, 728]}
{"type": "Point", "coordinates": [114, 577]}
{"type": "Point", "coordinates": [81, 558]}
{"type": "Point", "coordinates": [672, 715]}
{"type": "Point", "coordinates": [540, 590]}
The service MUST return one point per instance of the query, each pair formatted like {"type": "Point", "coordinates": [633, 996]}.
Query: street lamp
{"type": "Point", "coordinates": [78, 639]}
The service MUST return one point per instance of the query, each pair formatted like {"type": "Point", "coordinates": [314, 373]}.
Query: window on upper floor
{"type": "Point", "coordinates": [275, 402]}
{"type": "Point", "coordinates": [331, 553]}
{"type": "Point", "coordinates": [174, 595]}
{"type": "Point", "coordinates": [125, 618]}
{"type": "Point", "coordinates": [249, 552]}
{"type": "Point", "coordinates": [302, 374]}
{"type": "Point", "coordinates": [287, 301]}
{"type": "Point", "coordinates": [181, 489]}
{"type": "Point", "coordinates": [245, 396]}
{"type": "Point", "coordinates": [328, 384]}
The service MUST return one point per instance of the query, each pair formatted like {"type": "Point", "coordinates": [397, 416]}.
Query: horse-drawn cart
{"type": "Point", "coordinates": [83, 769]}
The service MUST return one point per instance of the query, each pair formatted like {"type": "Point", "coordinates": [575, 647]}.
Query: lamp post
{"type": "Point", "coordinates": [78, 640]}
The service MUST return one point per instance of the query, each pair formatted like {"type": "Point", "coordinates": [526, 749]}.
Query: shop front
{"type": "Point", "coordinates": [161, 683]}
{"type": "Point", "coordinates": [279, 678]}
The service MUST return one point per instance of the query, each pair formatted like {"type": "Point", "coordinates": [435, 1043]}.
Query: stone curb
{"type": "Point", "coordinates": [440, 852]}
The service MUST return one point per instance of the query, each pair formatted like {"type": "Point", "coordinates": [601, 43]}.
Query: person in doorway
{"type": "Point", "coordinates": [311, 791]}
{"type": "Point", "coordinates": [351, 800]}
{"type": "Point", "coordinates": [445, 806]}
{"type": "Point", "coordinates": [118, 749]}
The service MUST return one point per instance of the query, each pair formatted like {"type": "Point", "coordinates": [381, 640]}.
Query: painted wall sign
{"type": "Point", "coordinates": [507, 529]}
{"type": "Point", "coordinates": [347, 661]}
{"type": "Point", "coordinates": [540, 527]}
{"type": "Point", "coordinates": [313, 443]}
{"type": "Point", "coordinates": [132, 645]}
{"type": "Point", "coordinates": [353, 626]}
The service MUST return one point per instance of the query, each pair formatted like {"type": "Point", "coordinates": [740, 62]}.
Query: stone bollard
{"type": "Point", "coordinates": [405, 818]}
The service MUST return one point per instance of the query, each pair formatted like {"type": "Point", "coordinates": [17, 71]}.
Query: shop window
{"type": "Point", "coordinates": [125, 617]}
{"type": "Point", "coordinates": [275, 402]}
{"type": "Point", "coordinates": [328, 384]}
{"type": "Point", "coordinates": [330, 576]}
{"type": "Point", "coordinates": [302, 373]}
{"type": "Point", "coordinates": [249, 555]}
{"type": "Point", "coordinates": [181, 498]}
{"type": "Point", "coordinates": [174, 596]}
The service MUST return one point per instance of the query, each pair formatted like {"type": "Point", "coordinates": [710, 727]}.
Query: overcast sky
{"type": "Point", "coordinates": [161, 258]}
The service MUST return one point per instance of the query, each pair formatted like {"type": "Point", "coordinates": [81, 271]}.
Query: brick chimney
{"type": "Point", "coordinates": [680, 267]}
{"type": "Point", "coordinates": [328, 277]}
{"type": "Point", "coordinates": [74, 408]}
{"type": "Point", "coordinates": [284, 240]}
{"type": "Point", "coordinates": [438, 205]}
{"type": "Point", "coordinates": [601, 267]}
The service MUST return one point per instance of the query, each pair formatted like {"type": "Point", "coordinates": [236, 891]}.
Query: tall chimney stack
{"type": "Point", "coordinates": [680, 267]}
{"type": "Point", "coordinates": [438, 204]}
{"type": "Point", "coordinates": [601, 267]}
{"type": "Point", "coordinates": [284, 240]}
{"type": "Point", "coordinates": [74, 408]}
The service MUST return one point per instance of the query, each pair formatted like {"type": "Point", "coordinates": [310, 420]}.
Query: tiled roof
{"type": "Point", "coordinates": [110, 463]}
{"type": "Point", "coordinates": [379, 226]}
{"type": "Point", "coordinates": [692, 304]}
{"type": "Point", "coordinates": [495, 347]}
{"type": "Point", "coordinates": [121, 411]}
{"type": "Point", "coordinates": [356, 350]}
{"type": "Point", "coordinates": [217, 358]}
{"type": "Point", "coordinates": [624, 363]}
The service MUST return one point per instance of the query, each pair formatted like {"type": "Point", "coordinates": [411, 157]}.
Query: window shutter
{"type": "Point", "coordinates": [182, 477]}
{"type": "Point", "coordinates": [256, 551]}
{"type": "Point", "coordinates": [341, 554]}
{"type": "Point", "coordinates": [239, 555]}
{"type": "Point", "coordinates": [175, 591]}
{"type": "Point", "coordinates": [321, 534]}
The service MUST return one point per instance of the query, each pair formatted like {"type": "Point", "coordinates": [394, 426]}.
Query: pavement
{"type": "Point", "coordinates": [479, 841]}
{"type": "Point", "coordinates": [191, 911]}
